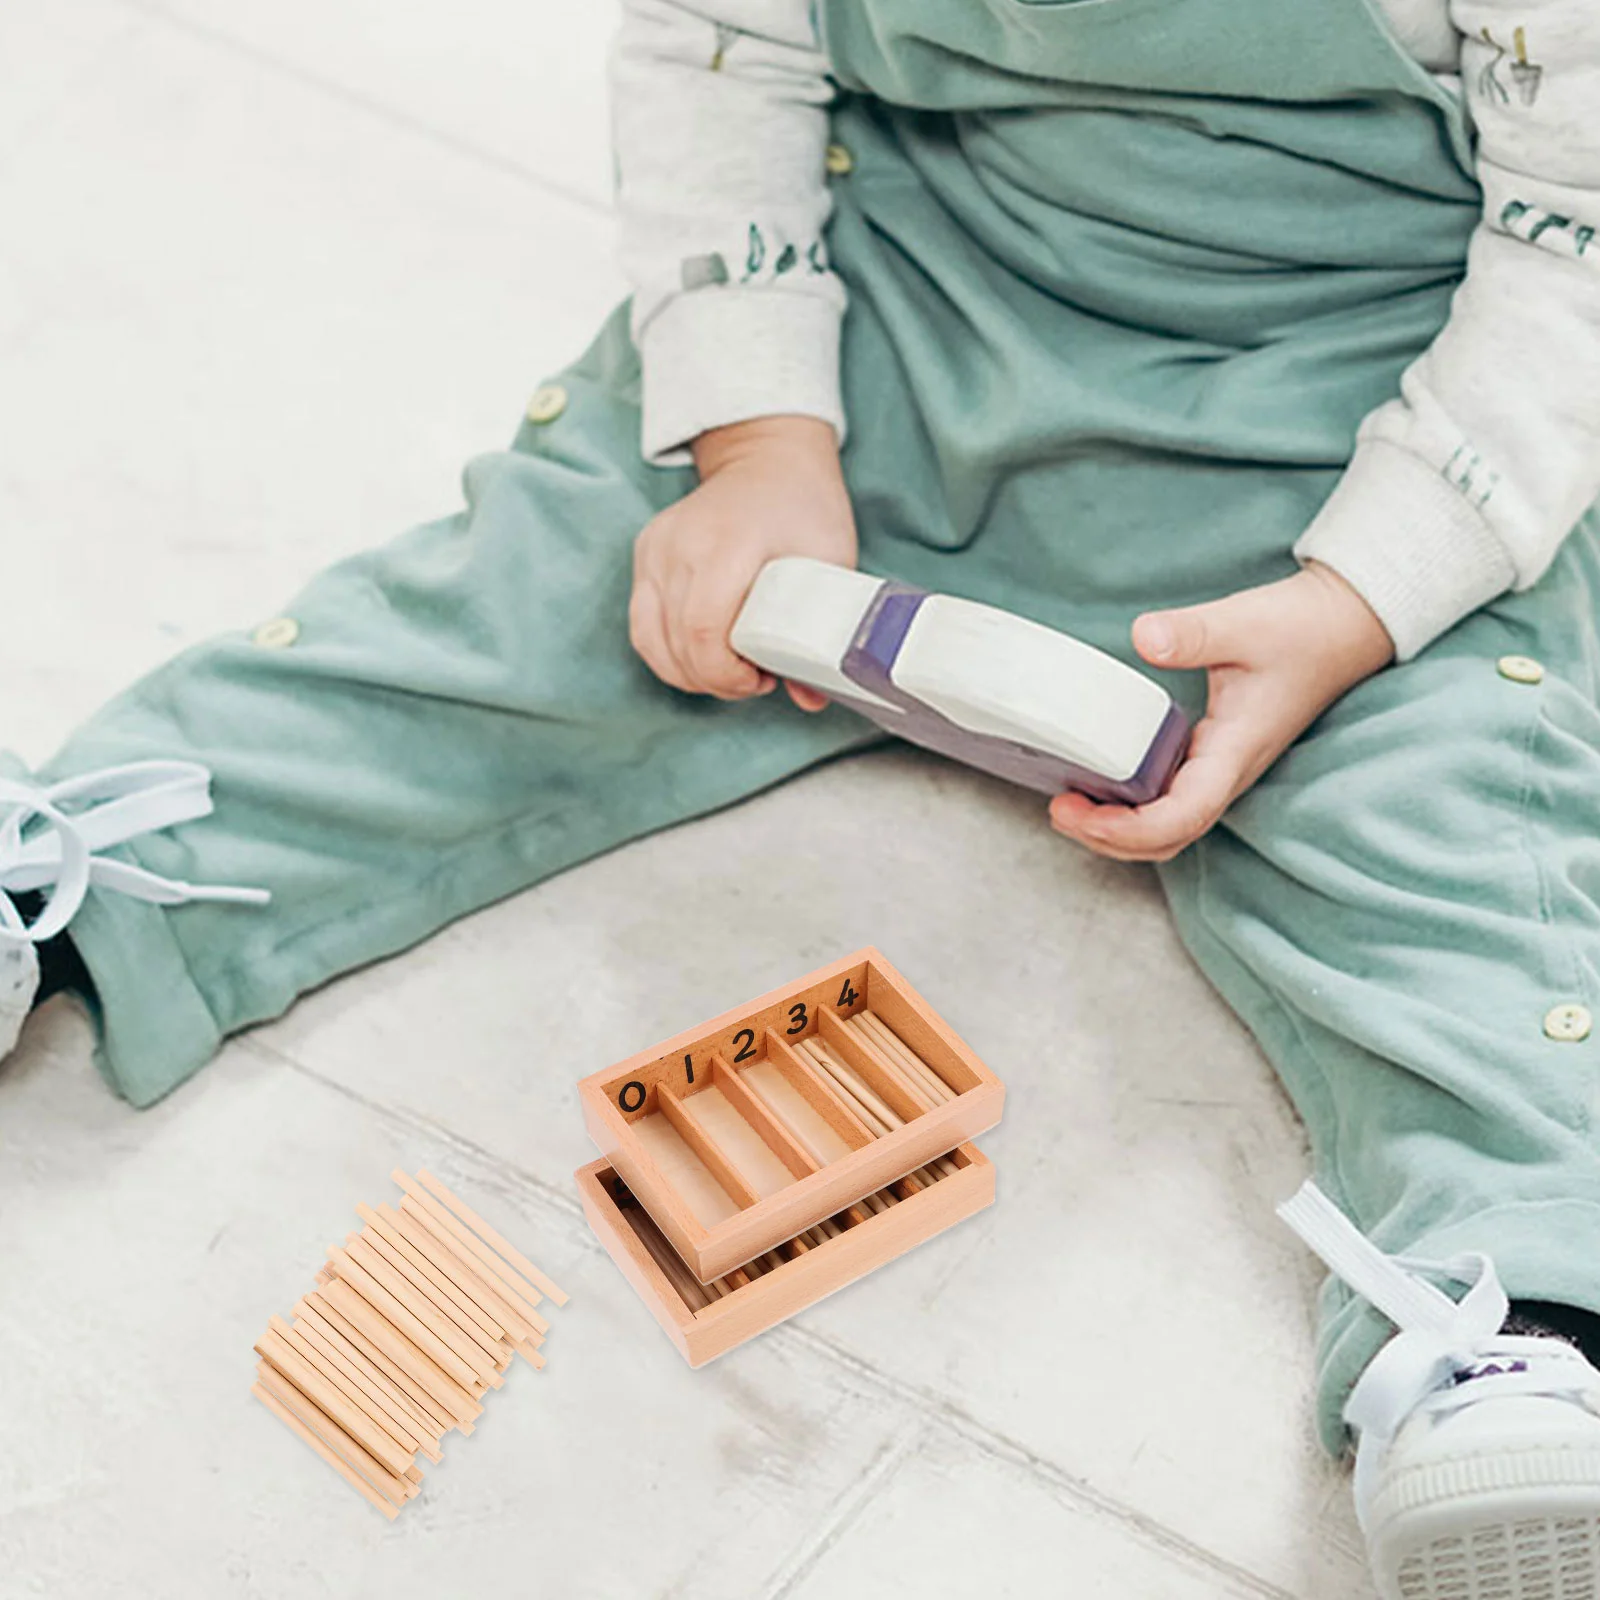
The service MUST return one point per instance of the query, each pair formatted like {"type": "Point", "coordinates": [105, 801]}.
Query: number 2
{"type": "Point", "coordinates": [748, 1048]}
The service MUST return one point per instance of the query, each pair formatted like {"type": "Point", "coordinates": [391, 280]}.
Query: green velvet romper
{"type": "Point", "coordinates": [1124, 277]}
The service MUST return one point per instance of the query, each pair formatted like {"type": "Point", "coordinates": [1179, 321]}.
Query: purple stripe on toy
{"type": "Point", "coordinates": [870, 659]}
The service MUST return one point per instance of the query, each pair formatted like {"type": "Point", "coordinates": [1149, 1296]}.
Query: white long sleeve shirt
{"type": "Point", "coordinates": [1461, 487]}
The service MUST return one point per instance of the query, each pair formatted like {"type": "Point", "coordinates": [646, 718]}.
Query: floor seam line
{"type": "Point", "coordinates": [944, 1413]}
{"type": "Point", "coordinates": [368, 104]}
{"type": "Point", "coordinates": [839, 1516]}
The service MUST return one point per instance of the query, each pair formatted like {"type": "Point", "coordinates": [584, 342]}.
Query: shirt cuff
{"type": "Point", "coordinates": [1410, 544]}
{"type": "Point", "coordinates": [719, 356]}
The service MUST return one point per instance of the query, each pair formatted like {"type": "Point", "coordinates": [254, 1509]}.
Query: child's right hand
{"type": "Point", "coordinates": [770, 487]}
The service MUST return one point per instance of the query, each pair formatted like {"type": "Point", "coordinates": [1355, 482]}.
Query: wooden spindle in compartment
{"type": "Point", "coordinates": [874, 1028]}
{"type": "Point", "coordinates": [908, 1100]}
{"type": "Point", "coordinates": [878, 1117]}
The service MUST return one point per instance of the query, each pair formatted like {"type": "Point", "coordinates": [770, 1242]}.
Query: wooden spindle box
{"type": "Point", "coordinates": [729, 1147]}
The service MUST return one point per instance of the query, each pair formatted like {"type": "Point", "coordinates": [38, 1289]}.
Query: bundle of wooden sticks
{"type": "Point", "coordinates": [413, 1320]}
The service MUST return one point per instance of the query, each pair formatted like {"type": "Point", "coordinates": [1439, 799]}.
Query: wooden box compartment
{"type": "Point", "coordinates": [741, 1134]}
{"type": "Point", "coordinates": [704, 1322]}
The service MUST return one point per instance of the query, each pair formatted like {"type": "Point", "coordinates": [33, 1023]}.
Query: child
{"type": "Point", "coordinates": [1281, 320]}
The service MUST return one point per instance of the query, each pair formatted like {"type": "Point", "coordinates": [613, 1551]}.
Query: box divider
{"type": "Point", "coordinates": [883, 1078]}
{"type": "Point", "coordinates": [694, 1134]}
{"type": "Point", "coordinates": [774, 1131]}
{"type": "Point", "coordinates": [821, 1094]}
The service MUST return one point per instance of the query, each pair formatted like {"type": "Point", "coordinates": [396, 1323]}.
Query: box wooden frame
{"type": "Point", "coordinates": [666, 1077]}
{"type": "Point", "coordinates": [765, 1301]}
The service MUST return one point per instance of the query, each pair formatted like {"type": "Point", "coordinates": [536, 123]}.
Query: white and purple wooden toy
{"type": "Point", "coordinates": [973, 682]}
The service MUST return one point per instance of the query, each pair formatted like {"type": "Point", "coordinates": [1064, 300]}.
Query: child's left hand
{"type": "Point", "coordinates": [1277, 657]}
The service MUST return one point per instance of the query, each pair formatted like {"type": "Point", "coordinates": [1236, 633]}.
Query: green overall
{"type": "Point", "coordinates": [1124, 276]}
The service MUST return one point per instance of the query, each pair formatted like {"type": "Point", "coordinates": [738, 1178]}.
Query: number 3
{"type": "Point", "coordinates": [797, 1013]}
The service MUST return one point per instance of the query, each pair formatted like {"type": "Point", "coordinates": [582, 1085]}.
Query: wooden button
{"type": "Point", "coordinates": [1568, 1023]}
{"type": "Point", "coordinates": [547, 404]}
{"type": "Point", "coordinates": [1520, 669]}
{"type": "Point", "coordinates": [839, 161]}
{"type": "Point", "coordinates": [278, 634]}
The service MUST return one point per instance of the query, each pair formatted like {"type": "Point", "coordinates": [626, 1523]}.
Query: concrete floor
{"type": "Point", "coordinates": [269, 273]}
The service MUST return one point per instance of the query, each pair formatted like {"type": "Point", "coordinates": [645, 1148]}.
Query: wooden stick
{"type": "Point", "coordinates": [382, 1300]}
{"type": "Point", "coordinates": [473, 1361]}
{"type": "Point", "coordinates": [818, 1091]}
{"type": "Point", "coordinates": [495, 1351]}
{"type": "Point", "coordinates": [859, 1087]}
{"type": "Point", "coordinates": [327, 1319]}
{"type": "Point", "coordinates": [895, 1045]}
{"type": "Point", "coordinates": [506, 1297]}
{"type": "Point", "coordinates": [490, 1237]}
{"type": "Point", "coordinates": [891, 1044]}
{"type": "Point", "coordinates": [449, 1228]}
{"type": "Point", "coordinates": [392, 1485]}
{"type": "Point", "coordinates": [911, 1083]}
{"type": "Point", "coordinates": [828, 1066]}
{"type": "Point", "coordinates": [273, 1348]}
{"type": "Point", "coordinates": [441, 1389]}
{"type": "Point", "coordinates": [387, 1507]}
{"type": "Point", "coordinates": [428, 1244]}
{"type": "Point", "coordinates": [334, 1371]}
{"type": "Point", "coordinates": [884, 1078]}
{"type": "Point", "coordinates": [409, 1430]}
{"type": "Point", "coordinates": [690, 1291]}
{"type": "Point", "coordinates": [466, 1312]}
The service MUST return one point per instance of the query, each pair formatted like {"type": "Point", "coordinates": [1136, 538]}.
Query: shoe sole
{"type": "Point", "coordinates": [1513, 1525]}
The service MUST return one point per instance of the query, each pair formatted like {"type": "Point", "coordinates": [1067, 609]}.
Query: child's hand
{"type": "Point", "coordinates": [768, 488]}
{"type": "Point", "coordinates": [1277, 657]}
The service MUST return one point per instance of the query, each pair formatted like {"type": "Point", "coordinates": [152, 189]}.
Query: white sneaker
{"type": "Point", "coordinates": [1478, 1453]}
{"type": "Point", "coordinates": [49, 837]}
{"type": "Point", "coordinates": [19, 980]}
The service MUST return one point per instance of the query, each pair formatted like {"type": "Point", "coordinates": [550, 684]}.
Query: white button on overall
{"type": "Point", "coordinates": [839, 161]}
{"type": "Point", "coordinates": [1568, 1023]}
{"type": "Point", "coordinates": [547, 404]}
{"type": "Point", "coordinates": [1520, 669]}
{"type": "Point", "coordinates": [277, 634]}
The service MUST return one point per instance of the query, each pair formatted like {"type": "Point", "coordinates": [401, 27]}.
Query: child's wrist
{"type": "Point", "coordinates": [1365, 645]}
{"type": "Point", "coordinates": [801, 436]}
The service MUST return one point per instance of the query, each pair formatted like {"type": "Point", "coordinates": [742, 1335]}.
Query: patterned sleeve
{"type": "Point", "coordinates": [720, 123]}
{"type": "Point", "coordinates": [1466, 484]}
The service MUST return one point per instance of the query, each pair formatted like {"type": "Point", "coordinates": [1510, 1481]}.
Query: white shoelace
{"type": "Point", "coordinates": [1440, 1340]}
{"type": "Point", "coordinates": [49, 836]}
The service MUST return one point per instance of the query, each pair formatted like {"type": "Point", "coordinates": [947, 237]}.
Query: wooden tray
{"type": "Point", "coordinates": [735, 1140]}
{"type": "Point", "coordinates": [803, 1276]}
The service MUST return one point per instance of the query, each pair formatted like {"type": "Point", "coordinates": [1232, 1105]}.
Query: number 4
{"type": "Point", "coordinates": [847, 995]}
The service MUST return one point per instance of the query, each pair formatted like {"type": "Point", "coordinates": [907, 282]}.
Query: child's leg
{"type": "Point", "coordinates": [436, 724]}
{"type": "Point", "coordinates": [1406, 911]}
